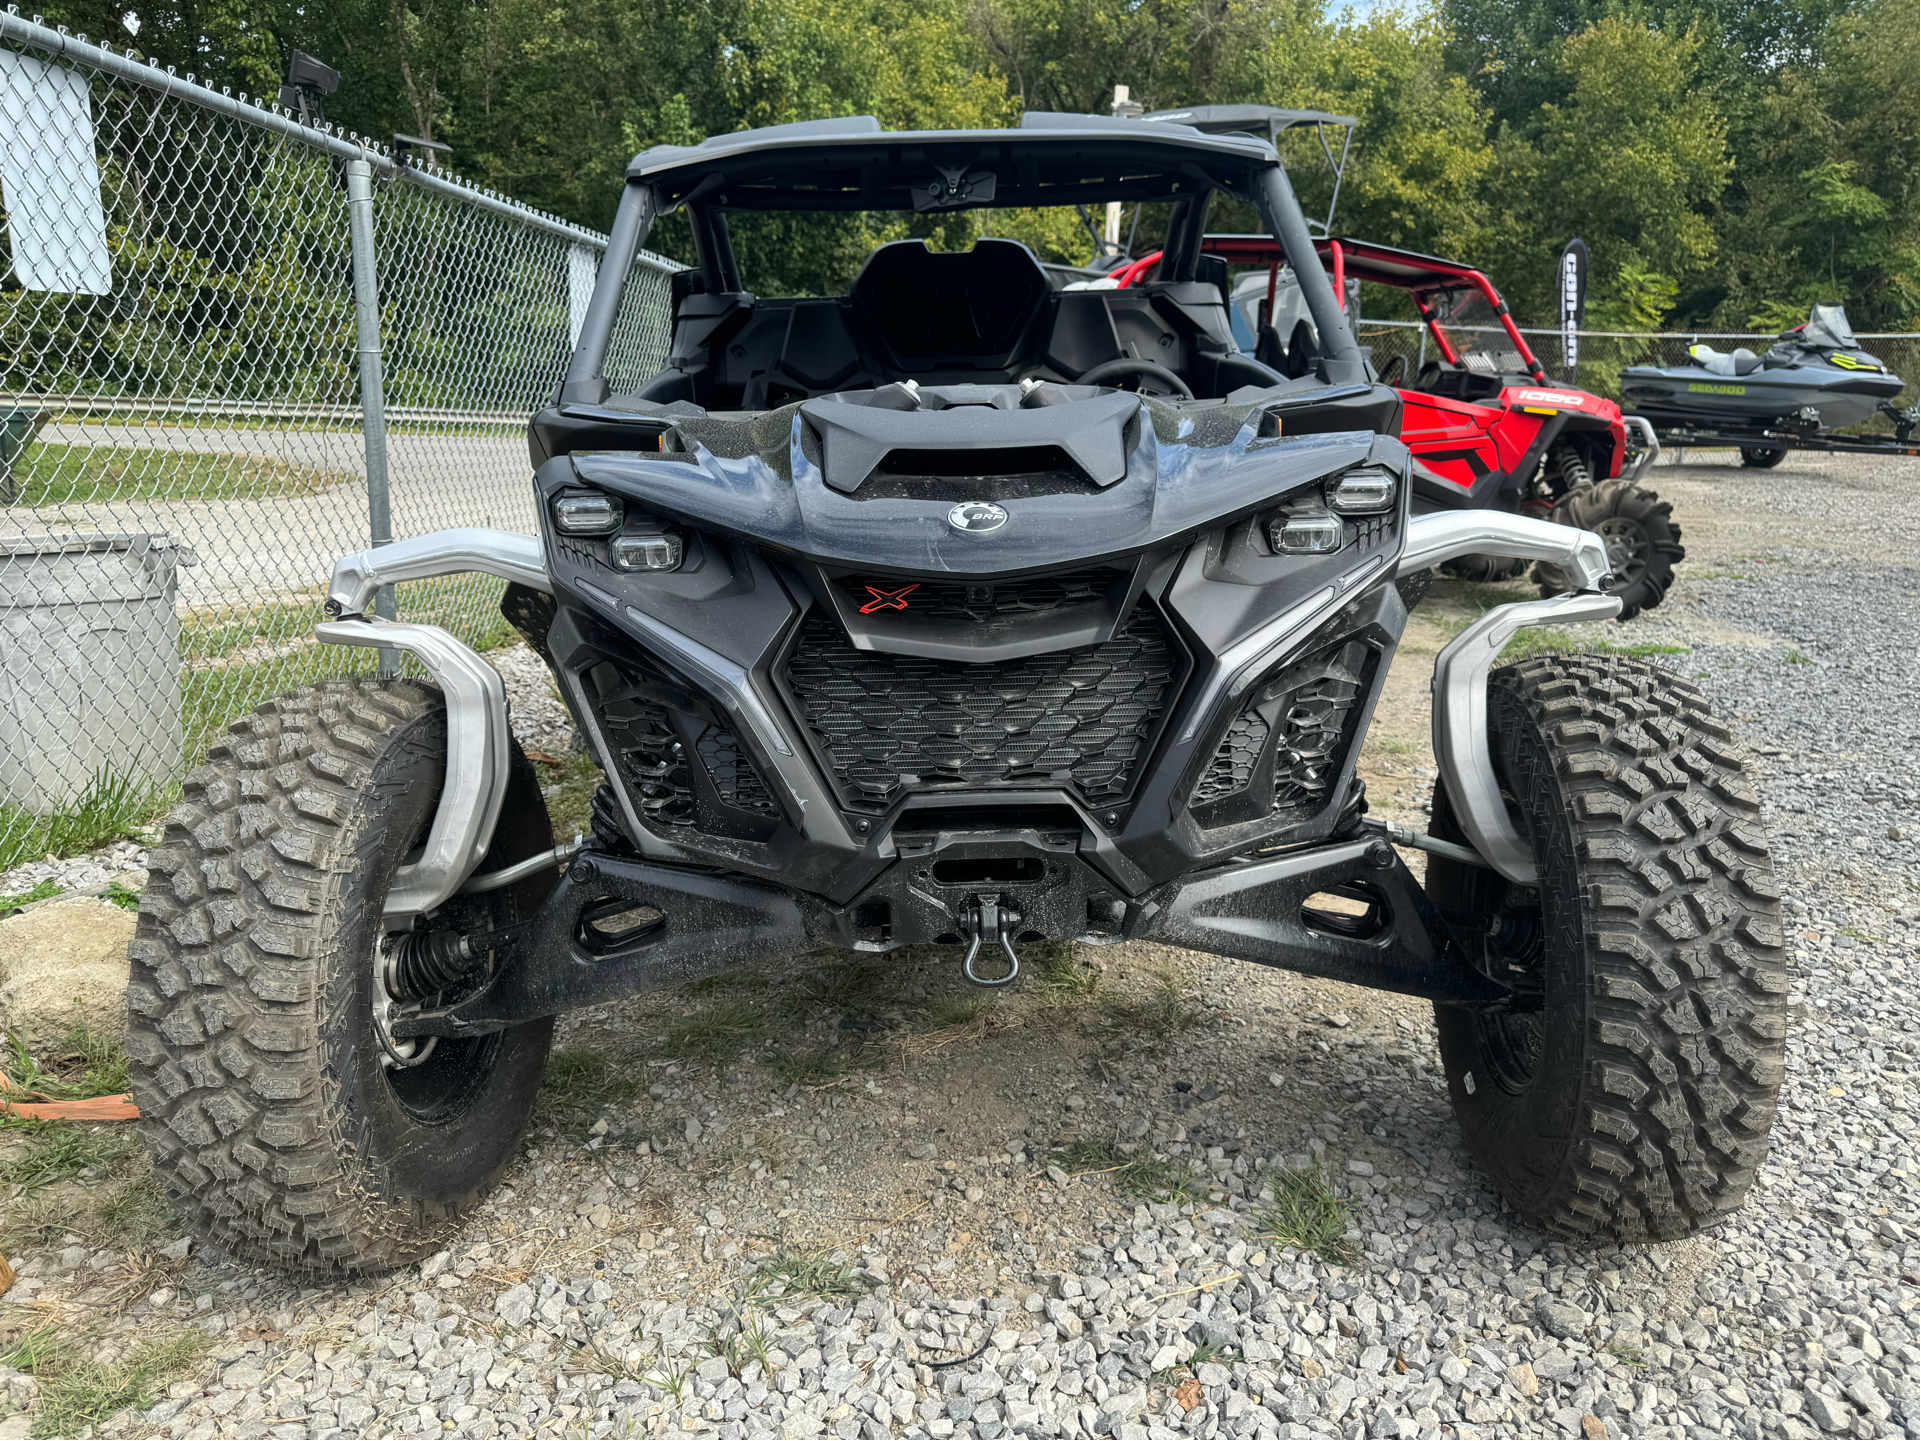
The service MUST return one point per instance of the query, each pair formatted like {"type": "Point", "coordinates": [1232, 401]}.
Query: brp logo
{"type": "Point", "coordinates": [977, 517]}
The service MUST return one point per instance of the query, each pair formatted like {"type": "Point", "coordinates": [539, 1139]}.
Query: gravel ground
{"type": "Point", "coordinates": [893, 1208]}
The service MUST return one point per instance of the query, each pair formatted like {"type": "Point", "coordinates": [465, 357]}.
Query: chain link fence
{"type": "Point", "coordinates": [186, 443]}
{"type": "Point", "coordinates": [1604, 354]}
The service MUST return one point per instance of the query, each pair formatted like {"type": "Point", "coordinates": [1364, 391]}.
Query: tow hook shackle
{"type": "Point", "coordinates": [984, 918]}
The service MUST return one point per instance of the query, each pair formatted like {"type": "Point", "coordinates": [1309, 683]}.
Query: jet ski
{"type": "Point", "coordinates": [1814, 380]}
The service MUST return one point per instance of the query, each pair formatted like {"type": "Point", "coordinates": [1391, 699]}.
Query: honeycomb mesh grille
{"type": "Point", "coordinates": [891, 723]}
{"type": "Point", "coordinates": [1233, 764]}
{"type": "Point", "coordinates": [1305, 717]}
{"type": "Point", "coordinates": [735, 779]}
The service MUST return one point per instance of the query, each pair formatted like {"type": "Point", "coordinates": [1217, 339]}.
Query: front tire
{"type": "Point", "coordinates": [1634, 1103]}
{"type": "Point", "coordinates": [280, 1133]}
{"type": "Point", "coordinates": [1643, 542]}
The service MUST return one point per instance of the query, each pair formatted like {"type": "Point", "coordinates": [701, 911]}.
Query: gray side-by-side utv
{"type": "Point", "coordinates": [972, 607]}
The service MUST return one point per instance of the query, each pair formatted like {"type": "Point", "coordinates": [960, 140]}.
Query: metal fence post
{"type": "Point", "coordinates": [373, 403]}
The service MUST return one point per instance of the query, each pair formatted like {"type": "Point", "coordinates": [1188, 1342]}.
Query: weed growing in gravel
{"type": "Point", "coordinates": [1162, 1013]}
{"type": "Point", "coordinates": [1310, 1215]}
{"type": "Point", "coordinates": [1061, 974]}
{"type": "Point", "coordinates": [718, 1033]}
{"type": "Point", "coordinates": [1797, 657]}
{"type": "Point", "coordinates": [119, 893]}
{"type": "Point", "coordinates": [1137, 1175]}
{"type": "Point", "coordinates": [817, 1066]}
{"type": "Point", "coordinates": [578, 1080]}
{"type": "Point", "coordinates": [853, 985]}
{"type": "Point", "coordinates": [816, 1275]}
{"type": "Point", "coordinates": [80, 1065]}
{"type": "Point", "coordinates": [1151, 1180]}
{"type": "Point", "coordinates": [60, 1149]}
{"type": "Point", "coordinates": [108, 810]}
{"type": "Point", "coordinates": [77, 1393]}
{"type": "Point", "coordinates": [1627, 1355]}
{"type": "Point", "coordinates": [45, 891]}
{"type": "Point", "coordinates": [1092, 1155]}
{"type": "Point", "coordinates": [950, 1012]}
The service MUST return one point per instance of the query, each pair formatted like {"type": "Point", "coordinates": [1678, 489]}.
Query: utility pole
{"type": "Point", "coordinates": [1124, 109]}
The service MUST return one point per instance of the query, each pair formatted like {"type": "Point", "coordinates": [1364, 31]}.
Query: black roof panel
{"type": "Point", "coordinates": [852, 164]}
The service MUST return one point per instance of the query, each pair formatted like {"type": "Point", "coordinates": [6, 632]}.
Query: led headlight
{"type": "Point", "coordinates": [1362, 491]}
{"type": "Point", "coordinates": [587, 513]}
{"type": "Point", "coordinates": [1305, 534]}
{"type": "Point", "coordinates": [653, 550]}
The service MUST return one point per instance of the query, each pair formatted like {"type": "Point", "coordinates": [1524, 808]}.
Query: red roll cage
{"type": "Point", "coordinates": [1420, 275]}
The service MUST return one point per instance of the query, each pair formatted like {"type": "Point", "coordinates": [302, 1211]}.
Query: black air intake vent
{"type": "Point", "coordinates": [679, 770]}
{"type": "Point", "coordinates": [1082, 718]}
{"type": "Point", "coordinates": [1005, 473]}
{"type": "Point", "coordinates": [1287, 747]}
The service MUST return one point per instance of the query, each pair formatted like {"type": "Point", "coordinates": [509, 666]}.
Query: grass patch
{"type": "Point", "coordinates": [119, 893]}
{"type": "Point", "coordinates": [45, 891]}
{"type": "Point", "coordinates": [83, 1064]}
{"type": "Point", "coordinates": [580, 1080]}
{"type": "Point", "coordinates": [1310, 1215]}
{"type": "Point", "coordinates": [951, 1012]}
{"type": "Point", "coordinates": [1061, 974]}
{"type": "Point", "coordinates": [718, 1033]}
{"type": "Point", "coordinates": [573, 777]}
{"type": "Point", "coordinates": [810, 1275]}
{"type": "Point", "coordinates": [77, 1393]}
{"type": "Point", "coordinates": [1137, 1176]}
{"type": "Point", "coordinates": [1162, 1013]}
{"type": "Point", "coordinates": [1797, 657]}
{"type": "Point", "coordinates": [59, 1150]}
{"type": "Point", "coordinates": [53, 474]}
{"type": "Point", "coordinates": [818, 1066]}
{"type": "Point", "coordinates": [110, 809]}
{"type": "Point", "coordinates": [1151, 1180]}
{"type": "Point", "coordinates": [1551, 641]}
{"type": "Point", "coordinates": [854, 985]}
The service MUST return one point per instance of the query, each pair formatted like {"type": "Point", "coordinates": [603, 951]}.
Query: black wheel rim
{"type": "Point", "coordinates": [441, 1088]}
{"type": "Point", "coordinates": [1627, 547]}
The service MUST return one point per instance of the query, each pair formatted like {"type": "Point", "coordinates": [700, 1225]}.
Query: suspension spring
{"type": "Point", "coordinates": [425, 963]}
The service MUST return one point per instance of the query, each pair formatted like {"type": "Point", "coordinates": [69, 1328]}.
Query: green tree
{"type": "Point", "coordinates": [1632, 161]}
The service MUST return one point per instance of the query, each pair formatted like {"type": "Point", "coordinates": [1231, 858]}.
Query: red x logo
{"type": "Point", "coordinates": [888, 599]}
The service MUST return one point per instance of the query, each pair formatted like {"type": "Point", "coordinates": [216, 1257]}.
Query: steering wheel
{"type": "Point", "coordinates": [1394, 370]}
{"type": "Point", "coordinates": [1171, 383]}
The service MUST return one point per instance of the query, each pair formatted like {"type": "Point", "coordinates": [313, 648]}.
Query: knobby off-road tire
{"type": "Point", "coordinates": [1635, 1104]}
{"type": "Point", "coordinates": [1485, 569]}
{"type": "Point", "coordinates": [1642, 540]}
{"type": "Point", "coordinates": [278, 1131]}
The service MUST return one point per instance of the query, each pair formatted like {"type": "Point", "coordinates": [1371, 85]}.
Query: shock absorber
{"type": "Point", "coordinates": [425, 963]}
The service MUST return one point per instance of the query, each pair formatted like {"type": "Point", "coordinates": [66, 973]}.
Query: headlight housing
{"type": "Point", "coordinates": [1364, 490]}
{"type": "Point", "coordinates": [587, 512]}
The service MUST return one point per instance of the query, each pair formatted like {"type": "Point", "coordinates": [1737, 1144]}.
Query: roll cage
{"type": "Point", "coordinates": [850, 164]}
{"type": "Point", "coordinates": [1421, 276]}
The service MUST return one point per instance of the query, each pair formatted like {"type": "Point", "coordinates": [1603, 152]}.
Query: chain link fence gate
{"type": "Point", "coordinates": [195, 421]}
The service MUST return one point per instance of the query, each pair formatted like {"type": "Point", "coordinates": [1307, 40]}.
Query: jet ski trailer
{"type": "Point", "coordinates": [1811, 384]}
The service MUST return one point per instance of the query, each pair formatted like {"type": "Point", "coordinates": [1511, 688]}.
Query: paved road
{"type": "Point", "coordinates": [250, 550]}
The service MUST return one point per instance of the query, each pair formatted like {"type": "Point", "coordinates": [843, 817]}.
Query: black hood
{"type": "Point", "coordinates": [902, 477]}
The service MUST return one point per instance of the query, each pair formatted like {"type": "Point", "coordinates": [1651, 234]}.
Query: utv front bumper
{"type": "Point", "coordinates": [1051, 865]}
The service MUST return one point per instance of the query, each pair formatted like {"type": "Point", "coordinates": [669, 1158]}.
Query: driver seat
{"type": "Point", "coordinates": [1302, 352]}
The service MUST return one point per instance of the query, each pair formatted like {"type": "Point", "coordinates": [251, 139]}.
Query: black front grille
{"type": "Point", "coordinates": [1285, 750]}
{"type": "Point", "coordinates": [655, 764]}
{"type": "Point", "coordinates": [891, 723]}
{"type": "Point", "coordinates": [979, 601]}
